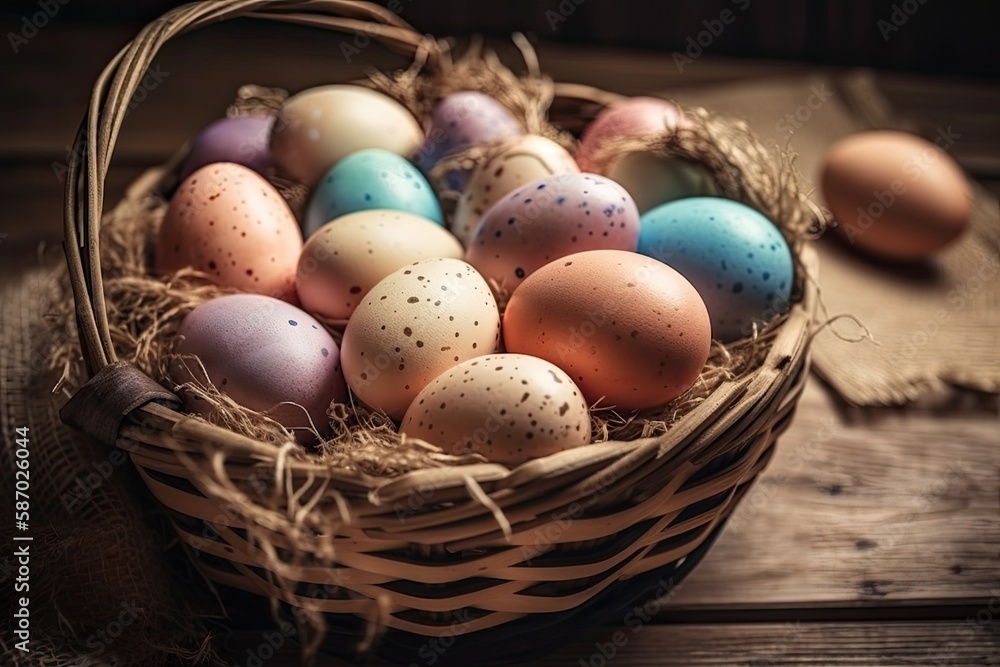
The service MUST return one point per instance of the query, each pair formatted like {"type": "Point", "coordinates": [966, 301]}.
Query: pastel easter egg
{"type": "Point", "coordinates": [516, 162]}
{"type": "Point", "coordinates": [415, 324]}
{"type": "Point", "coordinates": [460, 121]}
{"type": "Point", "coordinates": [243, 140]}
{"type": "Point", "coordinates": [510, 408]}
{"type": "Point", "coordinates": [630, 331]}
{"type": "Point", "coordinates": [550, 218]}
{"type": "Point", "coordinates": [228, 222]}
{"type": "Point", "coordinates": [342, 261]}
{"type": "Point", "coordinates": [266, 355]}
{"type": "Point", "coordinates": [320, 126]}
{"type": "Point", "coordinates": [632, 118]}
{"type": "Point", "coordinates": [734, 256]}
{"type": "Point", "coordinates": [371, 179]}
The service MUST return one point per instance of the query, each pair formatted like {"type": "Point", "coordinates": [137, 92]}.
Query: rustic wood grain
{"type": "Point", "coordinates": [956, 644]}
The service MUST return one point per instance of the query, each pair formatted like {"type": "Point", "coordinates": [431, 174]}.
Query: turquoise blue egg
{"type": "Point", "coordinates": [371, 179]}
{"type": "Point", "coordinates": [735, 257]}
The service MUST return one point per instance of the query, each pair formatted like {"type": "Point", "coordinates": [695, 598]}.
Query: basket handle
{"type": "Point", "coordinates": [95, 140]}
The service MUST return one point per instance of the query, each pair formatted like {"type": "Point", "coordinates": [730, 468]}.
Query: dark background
{"type": "Point", "coordinates": [937, 36]}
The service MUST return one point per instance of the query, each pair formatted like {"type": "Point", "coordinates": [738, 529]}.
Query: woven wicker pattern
{"type": "Point", "coordinates": [478, 542]}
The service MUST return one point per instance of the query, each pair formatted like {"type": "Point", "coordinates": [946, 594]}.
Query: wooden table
{"type": "Point", "coordinates": [874, 536]}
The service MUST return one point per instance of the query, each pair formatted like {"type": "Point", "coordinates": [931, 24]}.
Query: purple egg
{"type": "Point", "coordinates": [460, 121]}
{"type": "Point", "coordinates": [243, 140]}
{"type": "Point", "coordinates": [263, 353]}
{"type": "Point", "coordinates": [549, 218]}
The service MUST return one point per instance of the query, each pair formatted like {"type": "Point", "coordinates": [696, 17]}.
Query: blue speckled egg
{"type": "Point", "coordinates": [370, 179]}
{"type": "Point", "coordinates": [735, 257]}
{"type": "Point", "coordinates": [460, 121]}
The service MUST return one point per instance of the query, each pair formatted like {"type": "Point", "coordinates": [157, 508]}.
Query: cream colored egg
{"type": "Point", "coordinates": [346, 257]}
{"type": "Point", "coordinates": [510, 408]}
{"type": "Point", "coordinates": [518, 161]}
{"type": "Point", "coordinates": [319, 126]}
{"type": "Point", "coordinates": [653, 180]}
{"type": "Point", "coordinates": [412, 326]}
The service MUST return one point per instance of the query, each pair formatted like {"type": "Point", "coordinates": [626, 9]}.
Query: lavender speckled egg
{"type": "Point", "coordinates": [243, 140]}
{"type": "Point", "coordinates": [263, 353]}
{"type": "Point", "coordinates": [735, 257]}
{"type": "Point", "coordinates": [371, 179]}
{"type": "Point", "coordinates": [228, 222]}
{"type": "Point", "coordinates": [550, 218]}
{"type": "Point", "coordinates": [460, 121]}
{"type": "Point", "coordinates": [415, 324]}
{"type": "Point", "coordinates": [510, 408]}
{"type": "Point", "coordinates": [516, 162]}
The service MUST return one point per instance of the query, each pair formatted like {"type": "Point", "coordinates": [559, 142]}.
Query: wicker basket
{"type": "Point", "coordinates": [506, 562]}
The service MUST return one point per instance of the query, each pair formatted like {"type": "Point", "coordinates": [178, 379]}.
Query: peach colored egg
{"type": "Point", "coordinates": [319, 126]}
{"type": "Point", "coordinates": [228, 222]}
{"type": "Point", "coordinates": [635, 117]}
{"type": "Point", "coordinates": [629, 330]}
{"type": "Point", "coordinates": [895, 195]}
{"type": "Point", "coordinates": [264, 354]}
{"type": "Point", "coordinates": [415, 324]}
{"type": "Point", "coordinates": [510, 408]}
{"type": "Point", "coordinates": [346, 258]}
{"type": "Point", "coordinates": [550, 218]}
{"type": "Point", "coordinates": [515, 163]}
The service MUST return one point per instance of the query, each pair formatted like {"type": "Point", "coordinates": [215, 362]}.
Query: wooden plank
{"type": "Point", "coordinates": [964, 644]}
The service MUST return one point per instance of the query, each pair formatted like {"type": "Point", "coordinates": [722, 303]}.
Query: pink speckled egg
{"type": "Point", "coordinates": [632, 118]}
{"type": "Point", "coordinates": [228, 222]}
{"type": "Point", "coordinates": [266, 355]}
{"type": "Point", "coordinates": [550, 218]}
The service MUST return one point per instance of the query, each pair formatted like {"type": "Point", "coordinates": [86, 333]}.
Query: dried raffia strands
{"type": "Point", "coordinates": [376, 532]}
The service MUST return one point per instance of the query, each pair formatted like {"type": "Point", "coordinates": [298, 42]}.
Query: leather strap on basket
{"type": "Point", "coordinates": [99, 407]}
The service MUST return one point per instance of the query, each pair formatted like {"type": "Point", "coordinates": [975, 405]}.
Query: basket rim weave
{"type": "Point", "coordinates": [465, 510]}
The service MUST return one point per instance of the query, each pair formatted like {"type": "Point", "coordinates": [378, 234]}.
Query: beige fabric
{"type": "Point", "coordinates": [929, 328]}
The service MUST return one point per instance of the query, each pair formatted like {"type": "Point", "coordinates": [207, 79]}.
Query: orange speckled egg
{"type": "Point", "coordinates": [895, 195]}
{"type": "Point", "coordinates": [228, 222]}
{"type": "Point", "coordinates": [628, 329]}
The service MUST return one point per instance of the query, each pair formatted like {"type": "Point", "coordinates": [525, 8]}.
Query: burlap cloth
{"type": "Point", "coordinates": [104, 563]}
{"type": "Point", "coordinates": [930, 326]}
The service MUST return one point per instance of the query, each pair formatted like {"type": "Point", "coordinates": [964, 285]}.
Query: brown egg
{"type": "Point", "coordinates": [895, 195]}
{"type": "Point", "coordinates": [626, 328]}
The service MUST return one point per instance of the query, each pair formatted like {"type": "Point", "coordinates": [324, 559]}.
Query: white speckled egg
{"type": "Point", "coordinates": [550, 218]}
{"type": "Point", "coordinates": [319, 126]}
{"type": "Point", "coordinates": [515, 163]}
{"type": "Point", "coordinates": [263, 353]}
{"type": "Point", "coordinates": [412, 326]}
{"type": "Point", "coordinates": [348, 256]}
{"type": "Point", "coordinates": [228, 222]}
{"type": "Point", "coordinates": [508, 407]}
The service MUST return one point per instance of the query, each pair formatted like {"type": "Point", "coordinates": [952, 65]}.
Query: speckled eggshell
{"type": "Point", "coordinates": [629, 330]}
{"type": "Point", "coordinates": [230, 223]}
{"type": "Point", "coordinates": [415, 324]}
{"type": "Point", "coordinates": [348, 256]}
{"type": "Point", "coordinates": [633, 118]}
{"type": "Point", "coordinates": [371, 179]}
{"type": "Point", "coordinates": [262, 352]}
{"type": "Point", "coordinates": [460, 121]}
{"type": "Point", "coordinates": [516, 162]}
{"type": "Point", "coordinates": [243, 140]}
{"type": "Point", "coordinates": [510, 408]}
{"type": "Point", "coordinates": [550, 218]}
{"type": "Point", "coordinates": [320, 126]}
{"type": "Point", "coordinates": [735, 257]}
